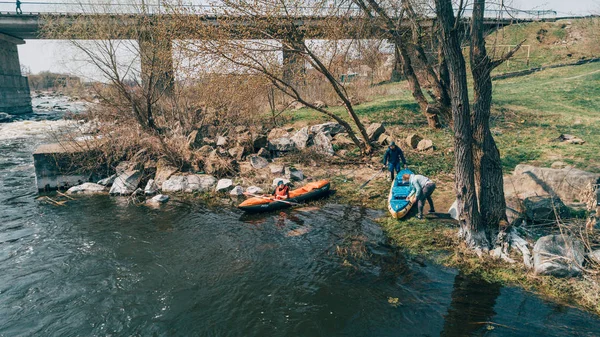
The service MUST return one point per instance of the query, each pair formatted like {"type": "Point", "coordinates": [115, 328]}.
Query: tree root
{"type": "Point", "coordinates": [508, 240]}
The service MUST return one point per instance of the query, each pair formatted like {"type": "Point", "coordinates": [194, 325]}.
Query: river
{"type": "Point", "coordinates": [101, 267]}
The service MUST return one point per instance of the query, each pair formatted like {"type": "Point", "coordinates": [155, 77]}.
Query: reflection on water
{"type": "Point", "coordinates": [99, 266]}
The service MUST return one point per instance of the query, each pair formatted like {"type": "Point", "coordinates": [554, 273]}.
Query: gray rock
{"type": "Point", "coordinates": [258, 162]}
{"type": "Point", "coordinates": [543, 209]}
{"type": "Point", "coordinates": [594, 256]}
{"type": "Point", "coordinates": [127, 166]}
{"type": "Point", "coordinates": [342, 139]}
{"type": "Point", "coordinates": [413, 140]}
{"type": "Point", "coordinates": [189, 183]}
{"type": "Point", "coordinates": [237, 152]}
{"type": "Point", "coordinates": [281, 144]}
{"type": "Point", "coordinates": [237, 191]}
{"type": "Point", "coordinates": [453, 211]}
{"type": "Point", "coordinates": [320, 104]}
{"type": "Point", "coordinates": [107, 181]}
{"type": "Point", "coordinates": [254, 190]}
{"type": "Point", "coordinates": [158, 199]}
{"type": "Point", "coordinates": [322, 144]}
{"type": "Point", "coordinates": [221, 141]}
{"type": "Point", "coordinates": [163, 172]}
{"type": "Point", "coordinates": [384, 139]}
{"type": "Point", "coordinates": [224, 185]}
{"type": "Point", "coordinates": [293, 174]}
{"type": "Point", "coordinates": [175, 183]}
{"type": "Point", "coordinates": [375, 130]}
{"type": "Point", "coordinates": [87, 188]}
{"type": "Point", "coordinates": [301, 138]}
{"type": "Point", "coordinates": [558, 255]}
{"type": "Point", "coordinates": [277, 169]}
{"type": "Point", "coordinates": [277, 133]}
{"type": "Point", "coordinates": [425, 145]}
{"type": "Point", "coordinates": [151, 188]}
{"type": "Point", "coordinates": [276, 181]}
{"type": "Point", "coordinates": [263, 153]}
{"type": "Point", "coordinates": [331, 128]}
{"type": "Point", "coordinates": [126, 183]}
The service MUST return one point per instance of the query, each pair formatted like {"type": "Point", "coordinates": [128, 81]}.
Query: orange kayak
{"type": "Point", "coordinates": [309, 191]}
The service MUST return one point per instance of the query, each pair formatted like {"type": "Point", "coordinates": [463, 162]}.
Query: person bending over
{"type": "Point", "coordinates": [282, 191]}
{"type": "Point", "coordinates": [422, 188]}
{"type": "Point", "coordinates": [391, 159]}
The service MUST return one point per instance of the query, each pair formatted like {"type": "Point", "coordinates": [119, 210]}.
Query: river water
{"type": "Point", "coordinates": [101, 267]}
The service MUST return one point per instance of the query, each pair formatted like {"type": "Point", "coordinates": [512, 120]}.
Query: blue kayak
{"type": "Point", "coordinates": [397, 203]}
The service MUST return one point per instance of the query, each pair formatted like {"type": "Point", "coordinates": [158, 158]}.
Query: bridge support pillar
{"type": "Point", "coordinates": [14, 88]}
{"type": "Point", "coordinates": [294, 67]}
{"type": "Point", "coordinates": [156, 57]}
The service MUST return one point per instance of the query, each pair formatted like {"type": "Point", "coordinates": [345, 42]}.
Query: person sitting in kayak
{"type": "Point", "coordinates": [282, 191]}
{"type": "Point", "coordinates": [422, 188]}
{"type": "Point", "coordinates": [391, 159]}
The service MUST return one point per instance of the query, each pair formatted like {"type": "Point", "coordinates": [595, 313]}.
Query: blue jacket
{"type": "Point", "coordinates": [393, 156]}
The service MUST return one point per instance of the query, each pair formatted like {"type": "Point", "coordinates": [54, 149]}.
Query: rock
{"type": "Point", "coordinates": [342, 140]}
{"type": "Point", "coordinates": [301, 138]}
{"type": "Point", "coordinates": [277, 169]}
{"type": "Point", "coordinates": [544, 209]}
{"type": "Point", "coordinates": [107, 181]}
{"type": "Point", "coordinates": [293, 174]}
{"type": "Point", "coordinates": [558, 255]}
{"type": "Point", "coordinates": [331, 128]}
{"type": "Point", "coordinates": [320, 104]}
{"type": "Point", "coordinates": [594, 256]}
{"type": "Point", "coordinates": [568, 184]}
{"type": "Point", "coordinates": [277, 180]}
{"type": "Point", "coordinates": [189, 184]}
{"type": "Point", "coordinates": [244, 138]}
{"type": "Point", "coordinates": [127, 166]}
{"type": "Point", "coordinates": [151, 188]}
{"type": "Point", "coordinates": [413, 140]}
{"type": "Point", "coordinates": [277, 133]}
{"type": "Point", "coordinates": [559, 165]}
{"type": "Point", "coordinates": [158, 199]}
{"type": "Point", "coordinates": [126, 183]}
{"type": "Point", "coordinates": [259, 142]}
{"type": "Point", "coordinates": [87, 188]}
{"type": "Point", "coordinates": [322, 144]}
{"type": "Point", "coordinates": [570, 139]}
{"type": "Point", "coordinates": [281, 145]}
{"type": "Point", "coordinates": [224, 185]}
{"type": "Point", "coordinates": [163, 172]}
{"type": "Point", "coordinates": [254, 190]}
{"type": "Point", "coordinates": [237, 152]}
{"type": "Point", "coordinates": [258, 162]}
{"type": "Point", "coordinates": [375, 130]}
{"type": "Point", "coordinates": [453, 211]}
{"type": "Point", "coordinates": [384, 139]}
{"type": "Point", "coordinates": [425, 145]}
{"type": "Point", "coordinates": [221, 141]}
{"type": "Point", "coordinates": [263, 153]}
{"type": "Point", "coordinates": [237, 191]}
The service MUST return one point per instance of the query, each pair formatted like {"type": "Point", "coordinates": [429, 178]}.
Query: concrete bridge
{"type": "Point", "coordinates": [15, 29]}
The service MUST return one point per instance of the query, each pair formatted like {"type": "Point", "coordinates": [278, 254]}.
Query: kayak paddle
{"type": "Point", "coordinates": [260, 196]}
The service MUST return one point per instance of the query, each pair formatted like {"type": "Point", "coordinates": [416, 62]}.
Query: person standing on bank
{"type": "Point", "coordinates": [19, 11]}
{"type": "Point", "coordinates": [391, 159]}
{"type": "Point", "coordinates": [422, 188]}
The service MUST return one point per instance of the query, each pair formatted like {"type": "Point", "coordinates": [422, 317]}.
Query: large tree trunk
{"type": "Point", "coordinates": [488, 166]}
{"type": "Point", "coordinates": [470, 220]}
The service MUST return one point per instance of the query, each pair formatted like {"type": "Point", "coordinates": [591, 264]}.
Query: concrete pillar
{"type": "Point", "coordinates": [294, 67]}
{"type": "Point", "coordinates": [14, 88]}
{"type": "Point", "coordinates": [156, 56]}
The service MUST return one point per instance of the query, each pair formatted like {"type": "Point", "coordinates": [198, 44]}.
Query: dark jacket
{"type": "Point", "coordinates": [393, 156]}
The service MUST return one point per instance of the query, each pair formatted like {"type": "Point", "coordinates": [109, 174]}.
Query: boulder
{"type": "Point", "coordinates": [375, 130]}
{"type": "Point", "coordinates": [320, 104]}
{"type": "Point", "coordinates": [126, 183]}
{"type": "Point", "coordinates": [158, 199]}
{"type": "Point", "coordinates": [258, 162]}
{"type": "Point", "coordinates": [277, 133]}
{"type": "Point", "coordinates": [260, 141]}
{"type": "Point", "coordinates": [276, 181]}
{"type": "Point", "coordinates": [163, 172]}
{"type": "Point", "coordinates": [413, 140]}
{"type": "Point", "coordinates": [425, 145]}
{"type": "Point", "coordinates": [568, 184]}
{"type": "Point", "coordinates": [558, 255]}
{"type": "Point", "coordinates": [281, 144]}
{"type": "Point", "coordinates": [301, 138]}
{"type": "Point", "coordinates": [107, 181]}
{"type": "Point", "coordinates": [151, 188]}
{"type": "Point", "coordinates": [189, 183]}
{"type": "Point", "coordinates": [254, 190]}
{"type": "Point", "coordinates": [277, 169]}
{"type": "Point", "coordinates": [237, 191]}
{"type": "Point", "coordinates": [221, 141]}
{"type": "Point", "coordinates": [543, 209]}
{"type": "Point", "coordinates": [87, 188]}
{"type": "Point", "coordinates": [322, 144]}
{"type": "Point", "coordinates": [237, 152]}
{"type": "Point", "coordinates": [293, 174]}
{"type": "Point", "coordinates": [384, 139]}
{"type": "Point", "coordinates": [342, 139]}
{"type": "Point", "coordinates": [331, 128]}
{"type": "Point", "coordinates": [263, 153]}
{"type": "Point", "coordinates": [224, 185]}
